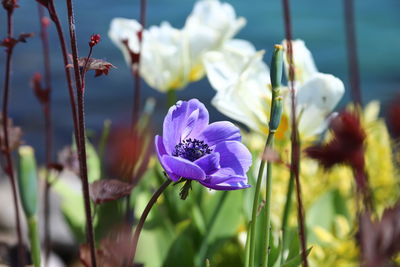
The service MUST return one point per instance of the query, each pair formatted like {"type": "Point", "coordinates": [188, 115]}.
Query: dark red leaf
{"type": "Point", "coordinates": [69, 159]}
{"type": "Point", "coordinates": [379, 239]}
{"type": "Point", "coordinates": [115, 250]}
{"type": "Point", "coordinates": [98, 65]}
{"type": "Point", "coordinates": [14, 135]}
{"type": "Point", "coordinates": [43, 2]}
{"type": "Point", "coordinates": [56, 166]}
{"type": "Point", "coordinates": [108, 190]}
{"type": "Point", "coordinates": [9, 5]}
{"type": "Point", "coordinates": [41, 94]}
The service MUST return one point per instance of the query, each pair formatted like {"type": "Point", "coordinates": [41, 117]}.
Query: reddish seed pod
{"type": "Point", "coordinates": [94, 40]}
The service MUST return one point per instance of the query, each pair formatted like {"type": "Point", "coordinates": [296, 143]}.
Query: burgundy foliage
{"type": "Point", "coordinates": [379, 239]}
{"type": "Point", "coordinates": [346, 145]}
{"type": "Point", "coordinates": [108, 190]}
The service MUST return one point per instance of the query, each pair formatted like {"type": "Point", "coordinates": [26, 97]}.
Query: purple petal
{"type": "Point", "coordinates": [160, 150]}
{"type": "Point", "coordinates": [226, 186]}
{"type": "Point", "coordinates": [183, 168]}
{"type": "Point", "coordinates": [234, 156]}
{"type": "Point", "coordinates": [203, 118]}
{"type": "Point", "coordinates": [209, 163]}
{"type": "Point", "coordinates": [217, 179]}
{"type": "Point", "coordinates": [220, 131]}
{"type": "Point", "coordinates": [184, 119]}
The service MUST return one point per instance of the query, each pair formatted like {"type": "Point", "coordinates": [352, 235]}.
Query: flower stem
{"type": "Point", "coordinates": [9, 169]}
{"type": "Point", "coordinates": [352, 57]}
{"type": "Point", "coordinates": [145, 213]}
{"type": "Point", "coordinates": [275, 118]}
{"type": "Point", "coordinates": [135, 72]}
{"type": "Point", "coordinates": [44, 36]}
{"type": "Point", "coordinates": [254, 212]}
{"type": "Point", "coordinates": [81, 145]}
{"type": "Point", "coordinates": [295, 142]}
{"type": "Point", "coordinates": [171, 97]}
{"type": "Point", "coordinates": [34, 239]}
{"type": "Point", "coordinates": [286, 212]}
{"type": "Point", "coordinates": [54, 17]}
{"type": "Point", "coordinates": [199, 261]}
{"type": "Point", "coordinates": [267, 211]}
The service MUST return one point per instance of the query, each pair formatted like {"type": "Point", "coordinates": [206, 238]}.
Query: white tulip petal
{"type": "Point", "coordinates": [316, 99]}
{"type": "Point", "coordinates": [210, 24]}
{"type": "Point", "coordinates": [164, 63]}
{"type": "Point", "coordinates": [240, 78]}
{"type": "Point", "coordinates": [303, 61]}
{"type": "Point", "coordinates": [122, 29]}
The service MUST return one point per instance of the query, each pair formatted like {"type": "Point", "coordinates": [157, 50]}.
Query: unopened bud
{"type": "Point", "coordinates": [94, 40]}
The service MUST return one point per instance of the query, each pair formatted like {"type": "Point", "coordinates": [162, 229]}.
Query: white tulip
{"type": "Point", "coordinates": [125, 30]}
{"type": "Point", "coordinates": [241, 80]}
{"type": "Point", "coordinates": [210, 24]}
{"type": "Point", "coordinates": [317, 94]}
{"type": "Point", "coordinates": [170, 57]}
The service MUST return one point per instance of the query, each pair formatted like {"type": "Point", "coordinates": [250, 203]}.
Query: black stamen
{"type": "Point", "coordinates": [191, 149]}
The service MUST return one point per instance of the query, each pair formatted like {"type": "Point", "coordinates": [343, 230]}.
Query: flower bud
{"type": "Point", "coordinates": [28, 180]}
{"type": "Point", "coordinates": [94, 40]}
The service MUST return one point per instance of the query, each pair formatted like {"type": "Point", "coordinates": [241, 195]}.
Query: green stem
{"type": "Point", "coordinates": [171, 97]}
{"type": "Point", "coordinates": [145, 213]}
{"type": "Point", "coordinates": [247, 248]}
{"type": "Point", "coordinates": [203, 247]}
{"type": "Point", "coordinates": [34, 240]}
{"type": "Point", "coordinates": [254, 214]}
{"type": "Point", "coordinates": [286, 212]}
{"type": "Point", "coordinates": [267, 226]}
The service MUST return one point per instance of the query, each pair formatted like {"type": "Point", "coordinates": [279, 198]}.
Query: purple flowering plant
{"type": "Point", "coordinates": [191, 149]}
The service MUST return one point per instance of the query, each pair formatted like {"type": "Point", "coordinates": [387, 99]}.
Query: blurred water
{"type": "Point", "coordinates": [319, 23]}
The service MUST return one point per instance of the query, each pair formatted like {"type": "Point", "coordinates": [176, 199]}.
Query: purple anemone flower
{"type": "Point", "coordinates": [191, 149]}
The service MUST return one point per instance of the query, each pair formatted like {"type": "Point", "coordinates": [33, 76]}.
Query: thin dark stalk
{"type": "Point", "coordinates": [145, 213]}
{"type": "Point", "coordinates": [352, 56]}
{"type": "Point", "coordinates": [295, 142]}
{"type": "Point", "coordinates": [286, 213]}
{"type": "Point", "coordinates": [54, 17]}
{"type": "Point", "coordinates": [135, 71]}
{"type": "Point", "coordinates": [82, 136]}
{"type": "Point", "coordinates": [48, 129]}
{"type": "Point", "coordinates": [9, 167]}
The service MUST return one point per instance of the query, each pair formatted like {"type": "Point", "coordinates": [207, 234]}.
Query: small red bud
{"type": "Point", "coordinates": [45, 22]}
{"type": "Point", "coordinates": [94, 40]}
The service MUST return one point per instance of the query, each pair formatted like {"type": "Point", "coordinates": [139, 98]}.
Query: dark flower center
{"type": "Point", "coordinates": [191, 149]}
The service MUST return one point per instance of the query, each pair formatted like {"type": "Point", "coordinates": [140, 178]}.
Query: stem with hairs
{"type": "Point", "coordinates": [9, 169]}
{"type": "Point", "coordinates": [81, 145]}
{"type": "Point", "coordinates": [144, 215]}
{"type": "Point", "coordinates": [54, 17]}
{"type": "Point", "coordinates": [295, 142]}
{"type": "Point", "coordinates": [44, 36]}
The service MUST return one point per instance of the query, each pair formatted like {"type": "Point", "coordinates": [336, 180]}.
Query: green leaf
{"type": "Point", "coordinates": [72, 207]}
{"type": "Point", "coordinates": [181, 252]}
{"type": "Point", "coordinates": [296, 261]}
{"type": "Point", "coordinates": [329, 205]}
{"type": "Point", "coordinates": [93, 163]}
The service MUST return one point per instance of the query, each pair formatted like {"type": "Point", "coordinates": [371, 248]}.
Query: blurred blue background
{"type": "Point", "coordinates": [319, 23]}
